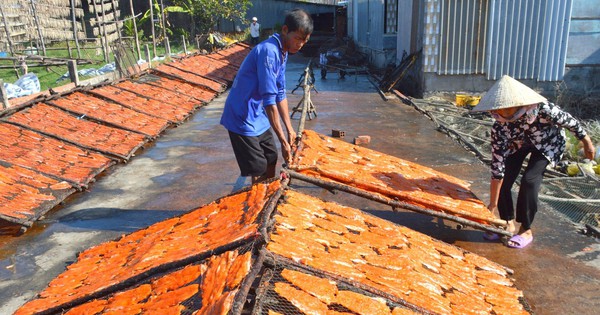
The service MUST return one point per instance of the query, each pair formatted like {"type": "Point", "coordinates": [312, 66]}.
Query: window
{"type": "Point", "coordinates": [391, 17]}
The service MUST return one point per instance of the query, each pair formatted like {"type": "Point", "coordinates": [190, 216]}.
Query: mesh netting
{"type": "Point", "coordinates": [288, 289]}
{"type": "Point", "coordinates": [578, 198]}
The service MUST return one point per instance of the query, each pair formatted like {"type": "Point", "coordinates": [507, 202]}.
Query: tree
{"type": "Point", "coordinates": [206, 14]}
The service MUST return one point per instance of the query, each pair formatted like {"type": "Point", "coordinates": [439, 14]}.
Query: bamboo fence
{"type": "Point", "coordinates": [35, 22]}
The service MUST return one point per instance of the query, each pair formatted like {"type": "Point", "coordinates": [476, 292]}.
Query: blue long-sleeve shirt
{"type": "Point", "coordinates": [259, 82]}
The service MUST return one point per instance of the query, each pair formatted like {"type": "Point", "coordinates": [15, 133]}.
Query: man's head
{"type": "Point", "coordinates": [296, 30]}
{"type": "Point", "coordinates": [254, 19]}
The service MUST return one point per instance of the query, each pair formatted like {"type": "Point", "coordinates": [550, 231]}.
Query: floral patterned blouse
{"type": "Point", "coordinates": [545, 133]}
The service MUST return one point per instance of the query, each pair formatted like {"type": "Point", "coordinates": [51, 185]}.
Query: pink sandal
{"type": "Point", "coordinates": [519, 241]}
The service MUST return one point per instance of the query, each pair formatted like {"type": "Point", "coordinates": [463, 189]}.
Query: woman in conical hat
{"type": "Point", "coordinates": [526, 124]}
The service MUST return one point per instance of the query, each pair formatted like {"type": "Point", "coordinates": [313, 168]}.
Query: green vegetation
{"type": "Point", "coordinates": [48, 75]}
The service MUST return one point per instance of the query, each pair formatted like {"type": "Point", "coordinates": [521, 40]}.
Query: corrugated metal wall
{"type": "Point", "coordinates": [526, 39]}
{"type": "Point", "coordinates": [462, 36]}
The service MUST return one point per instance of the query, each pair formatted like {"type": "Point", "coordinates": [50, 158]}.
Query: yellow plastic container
{"type": "Point", "coordinates": [467, 100]}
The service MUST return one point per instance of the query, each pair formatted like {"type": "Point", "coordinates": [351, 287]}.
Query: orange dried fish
{"type": "Point", "coordinates": [362, 304]}
{"type": "Point", "coordinates": [171, 298]}
{"type": "Point", "coordinates": [238, 271]}
{"type": "Point", "coordinates": [91, 308]}
{"type": "Point", "coordinates": [403, 311]}
{"type": "Point", "coordinates": [378, 173]}
{"type": "Point", "coordinates": [305, 302]}
{"type": "Point", "coordinates": [323, 289]}
{"type": "Point", "coordinates": [406, 264]}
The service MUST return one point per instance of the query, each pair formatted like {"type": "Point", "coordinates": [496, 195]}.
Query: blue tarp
{"type": "Point", "coordinates": [91, 72]}
{"type": "Point", "coordinates": [26, 85]}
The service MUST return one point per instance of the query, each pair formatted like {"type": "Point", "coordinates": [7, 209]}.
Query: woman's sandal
{"type": "Point", "coordinates": [489, 236]}
{"type": "Point", "coordinates": [519, 241]}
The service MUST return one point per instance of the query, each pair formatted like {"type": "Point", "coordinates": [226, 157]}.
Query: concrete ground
{"type": "Point", "coordinates": [193, 164]}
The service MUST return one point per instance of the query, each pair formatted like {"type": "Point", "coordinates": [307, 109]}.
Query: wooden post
{"type": "Point", "coordinates": [116, 20]}
{"type": "Point", "coordinates": [137, 41]}
{"type": "Point", "coordinates": [184, 45]}
{"type": "Point", "coordinates": [164, 27]}
{"type": "Point", "coordinates": [74, 21]}
{"type": "Point", "coordinates": [3, 95]}
{"type": "Point", "coordinates": [106, 59]}
{"type": "Point", "coordinates": [148, 59]}
{"type": "Point", "coordinates": [69, 49]}
{"type": "Point", "coordinates": [100, 28]}
{"type": "Point", "coordinates": [152, 27]}
{"type": "Point", "coordinates": [37, 25]}
{"type": "Point", "coordinates": [120, 70]}
{"type": "Point", "coordinates": [10, 44]}
{"type": "Point", "coordinates": [167, 46]}
{"type": "Point", "coordinates": [73, 75]}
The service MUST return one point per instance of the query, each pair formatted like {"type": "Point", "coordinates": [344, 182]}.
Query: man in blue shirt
{"type": "Point", "coordinates": [257, 101]}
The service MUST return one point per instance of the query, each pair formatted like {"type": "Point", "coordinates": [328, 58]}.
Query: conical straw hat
{"type": "Point", "coordinates": [508, 92]}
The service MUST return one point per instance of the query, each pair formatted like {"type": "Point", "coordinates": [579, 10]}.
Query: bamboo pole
{"type": "Point", "coordinates": [135, 29]}
{"type": "Point", "coordinates": [116, 20]}
{"type": "Point", "coordinates": [102, 38]}
{"type": "Point", "coordinates": [10, 44]}
{"type": "Point", "coordinates": [3, 95]}
{"type": "Point", "coordinates": [163, 22]}
{"type": "Point", "coordinates": [74, 21]}
{"type": "Point", "coordinates": [104, 29]}
{"type": "Point", "coordinates": [167, 47]}
{"type": "Point", "coordinates": [152, 27]}
{"type": "Point", "coordinates": [69, 49]}
{"type": "Point", "coordinates": [304, 101]}
{"type": "Point", "coordinates": [73, 74]}
{"type": "Point", "coordinates": [148, 58]}
{"type": "Point", "coordinates": [184, 45]}
{"type": "Point", "coordinates": [37, 25]}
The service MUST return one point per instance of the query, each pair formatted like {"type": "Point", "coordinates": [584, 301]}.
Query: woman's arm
{"type": "Point", "coordinates": [589, 151]}
{"type": "Point", "coordinates": [495, 185]}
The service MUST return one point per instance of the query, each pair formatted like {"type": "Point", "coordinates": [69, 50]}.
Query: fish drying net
{"type": "Point", "coordinates": [271, 298]}
{"type": "Point", "coordinates": [578, 198]}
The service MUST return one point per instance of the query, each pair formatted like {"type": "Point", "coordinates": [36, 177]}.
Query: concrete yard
{"type": "Point", "coordinates": [193, 164]}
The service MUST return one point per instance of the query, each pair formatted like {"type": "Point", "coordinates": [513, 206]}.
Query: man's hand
{"type": "Point", "coordinates": [292, 137]}
{"type": "Point", "coordinates": [286, 152]}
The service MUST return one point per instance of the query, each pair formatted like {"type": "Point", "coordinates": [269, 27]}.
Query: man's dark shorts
{"type": "Point", "coordinates": [253, 154]}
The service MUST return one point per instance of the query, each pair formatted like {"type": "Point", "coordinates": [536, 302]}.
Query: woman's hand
{"type": "Point", "coordinates": [588, 148]}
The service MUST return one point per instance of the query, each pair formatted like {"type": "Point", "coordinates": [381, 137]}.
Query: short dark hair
{"type": "Point", "coordinates": [299, 20]}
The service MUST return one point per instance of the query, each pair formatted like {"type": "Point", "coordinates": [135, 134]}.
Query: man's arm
{"type": "Point", "coordinates": [274, 118]}
{"type": "Point", "coordinates": [284, 113]}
